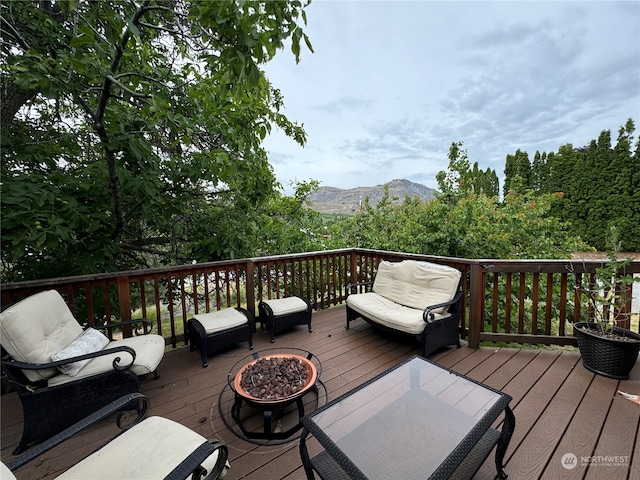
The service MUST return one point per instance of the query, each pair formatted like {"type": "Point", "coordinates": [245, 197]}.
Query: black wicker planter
{"type": "Point", "coordinates": [607, 356]}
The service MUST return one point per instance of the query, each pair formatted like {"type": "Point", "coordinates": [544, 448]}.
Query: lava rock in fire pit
{"type": "Point", "coordinates": [274, 378]}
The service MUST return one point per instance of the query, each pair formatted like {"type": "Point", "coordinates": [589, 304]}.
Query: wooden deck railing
{"type": "Point", "coordinates": [524, 301]}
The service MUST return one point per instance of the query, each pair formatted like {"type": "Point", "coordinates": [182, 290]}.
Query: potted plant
{"type": "Point", "coordinates": [606, 346]}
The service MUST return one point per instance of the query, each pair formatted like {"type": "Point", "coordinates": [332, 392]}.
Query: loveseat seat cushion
{"type": "Point", "coordinates": [390, 314]}
{"type": "Point", "coordinates": [417, 284]}
{"type": "Point", "coordinates": [37, 327]}
{"type": "Point", "coordinates": [149, 352]}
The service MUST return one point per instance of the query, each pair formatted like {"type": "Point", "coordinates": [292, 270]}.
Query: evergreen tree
{"type": "Point", "coordinates": [538, 177]}
{"type": "Point", "coordinates": [517, 173]}
{"type": "Point", "coordinates": [491, 184]}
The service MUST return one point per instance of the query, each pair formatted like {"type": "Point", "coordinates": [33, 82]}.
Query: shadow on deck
{"type": "Point", "coordinates": [560, 407]}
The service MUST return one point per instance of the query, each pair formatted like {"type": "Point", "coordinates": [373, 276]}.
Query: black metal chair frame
{"type": "Point", "coordinates": [276, 323]}
{"type": "Point", "coordinates": [47, 410]}
{"type": "Point", "coordinates": [190, 466]}
{"type": "Point", "coordinates": [436, 334]}
{"type": "Point", "coordinates": [208, 344]}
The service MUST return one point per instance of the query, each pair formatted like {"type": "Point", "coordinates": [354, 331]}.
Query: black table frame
{"type": "Point", "coordinates": [345, 468]}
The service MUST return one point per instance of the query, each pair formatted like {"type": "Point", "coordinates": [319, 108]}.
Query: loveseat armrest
{"type": "Point", "coordinates": [429, 317]}
{"type": "Point", "coordinates": [349, 288]}
{"type": "Point", "coordinates": [87, 356]}
{"type": "Point", "coordinates": [147, 325]}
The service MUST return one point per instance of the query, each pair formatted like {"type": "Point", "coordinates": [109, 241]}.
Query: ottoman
{"type": "Point", "coordinates": [214, 331]}
{"type": "Point", "coordinates": [282, 313]}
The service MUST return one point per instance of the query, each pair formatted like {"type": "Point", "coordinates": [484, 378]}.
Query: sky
{"type": "Point", "coordinates": [393, 83]}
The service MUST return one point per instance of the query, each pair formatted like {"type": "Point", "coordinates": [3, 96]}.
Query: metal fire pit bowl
{"type": "Point", "coordinates": [312, 374]}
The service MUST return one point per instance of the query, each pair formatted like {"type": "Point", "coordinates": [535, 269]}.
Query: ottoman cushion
{"type": "Point", "coordinates": [284, 306]}
{"type": "Point", "coordinates": [221, 320]}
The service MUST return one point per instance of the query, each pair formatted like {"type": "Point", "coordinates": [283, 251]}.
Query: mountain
{"type": "Point", "coordinates": [337, 200]}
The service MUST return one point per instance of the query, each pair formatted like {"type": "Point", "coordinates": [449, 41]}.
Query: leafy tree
{"type": "Point", "coordinates": [456, 181]}
{"type": "Point", "coordinates": [288, 224]}
{"type": "Point", "coordinates": [131, 132]}
{"type": "Point", "coordinates": [462, 223]}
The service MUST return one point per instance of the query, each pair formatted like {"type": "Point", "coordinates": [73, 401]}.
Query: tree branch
{"type": "Point", "coordinates": [128, 90]}
{"type": "Point", "coordinates": [14, 33]}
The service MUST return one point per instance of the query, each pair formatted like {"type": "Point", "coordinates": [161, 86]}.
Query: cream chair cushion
{"type": "Point", "coordinates": [37, 327]}
{"type": "Point", "coordinates": [149, 352]}
{"type": "Point", "coordinates": [149, 450]}
{"type": "Point", "coordinates": [5, 473]}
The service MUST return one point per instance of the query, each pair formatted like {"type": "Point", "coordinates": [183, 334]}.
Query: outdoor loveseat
{"type": "Point", "coordinates": [412, 297]}
{"type": "Point", "coordinates": [63, 373]}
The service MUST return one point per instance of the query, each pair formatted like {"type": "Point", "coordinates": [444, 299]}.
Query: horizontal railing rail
{"type": "Point", "coordinates": [523, 301]}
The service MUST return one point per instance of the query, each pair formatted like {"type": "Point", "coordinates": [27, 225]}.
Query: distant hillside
{"type": "Point", "coordinates": [337, 200]}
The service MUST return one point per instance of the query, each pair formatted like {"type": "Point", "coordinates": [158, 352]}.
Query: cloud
{"type": "Point", "coordinates": [394, 83]}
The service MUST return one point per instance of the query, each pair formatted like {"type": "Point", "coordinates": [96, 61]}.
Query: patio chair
{"type": "Point", "coordinates": [151, 448]}
{"type": "Point", "coordinates": [61, 372]}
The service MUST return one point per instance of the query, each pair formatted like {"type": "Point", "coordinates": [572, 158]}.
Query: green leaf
{"type": "Point", "coordinates": [81, 40]}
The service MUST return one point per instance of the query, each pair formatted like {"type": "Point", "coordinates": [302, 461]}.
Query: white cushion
{"type": "Point", "coordinates": [284, 306]}
{"type": "Point", "coordinates": [149, 352]}
{"type": "Point", "coordinates": [5, 473]}
{"type": "Point", "coordinates": [89, 341]}
{"type": "Point", "coordinates": [37, 327]}
{"type": "Point", "coordinates": [149, 450]}
{"type": "Point", "coordinates": [417, 284]}
{"type": "Point", "coordinates": [221, 320]}
{"type": "Point", "coordinates": [385, 312]}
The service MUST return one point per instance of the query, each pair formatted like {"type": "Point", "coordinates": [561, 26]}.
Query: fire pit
{"type": "Point", "coordinates": [267, 386]}
{"type": "Point", "coordinates": [275, 379]}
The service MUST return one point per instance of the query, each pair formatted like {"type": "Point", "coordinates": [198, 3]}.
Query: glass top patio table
{"type": "Point", "coordinates": [416, 420]}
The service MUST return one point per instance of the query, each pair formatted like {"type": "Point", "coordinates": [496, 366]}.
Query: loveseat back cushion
{"type": "Point", "coordinates": [417, 284]}
{"type": "Point", "coordinates": [37, 327]}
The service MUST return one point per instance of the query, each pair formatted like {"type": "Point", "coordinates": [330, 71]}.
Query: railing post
{"type": "Point", "coordinates": [124, 300]}
{"type": "Point", "coordinates": [250, 285]}
{"type": "Point", "coordinates": [476, 304]}
{"type": "Point", "coordinates": [354, 267]}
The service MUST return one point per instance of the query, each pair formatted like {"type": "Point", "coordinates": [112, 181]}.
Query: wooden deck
{"type": "Point", "coordinates": [560, 407]}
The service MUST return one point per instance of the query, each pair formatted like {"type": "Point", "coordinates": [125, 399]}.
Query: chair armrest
{"type": "Point", "coordinates": [428, 315]}
{"type": "Point", "coordinates": [349, 288]}
{"type": "Point", "coordinates": [87, 356]}
{"type": "Point", "coordinates": [190, 467]}
{"type": "Point", "coordinates": [142, 405]}
{"type": "Point", "coordinates": [147, 325]}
